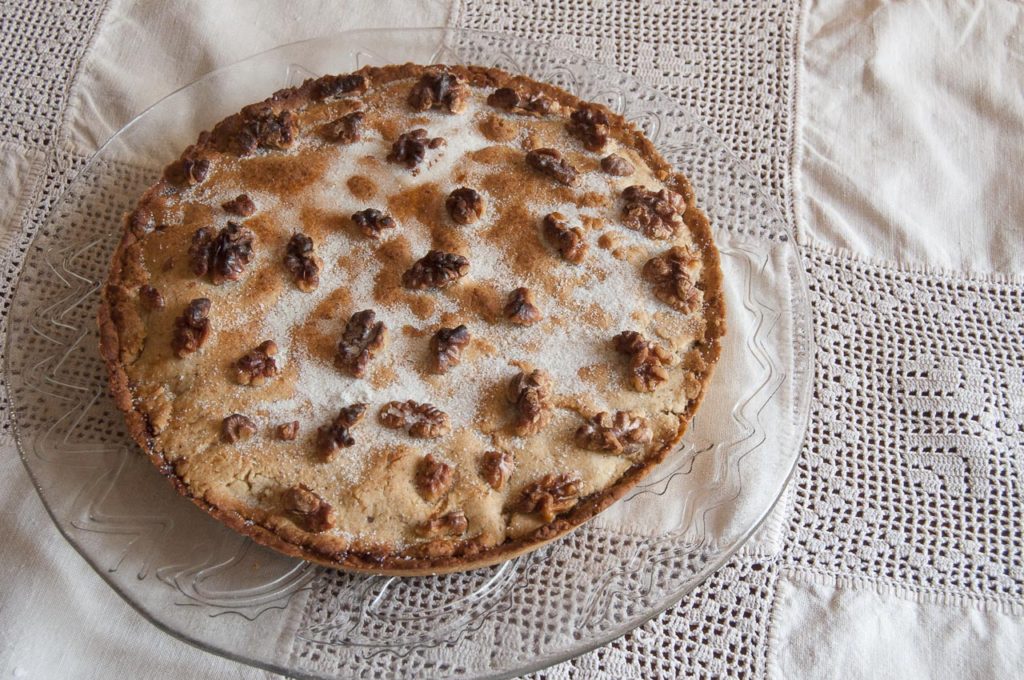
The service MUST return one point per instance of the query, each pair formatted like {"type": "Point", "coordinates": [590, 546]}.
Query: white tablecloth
{"type": "Point", "coordinates": [891, 133]}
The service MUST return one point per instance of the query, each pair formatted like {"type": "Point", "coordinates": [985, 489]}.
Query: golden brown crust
{"type": "Point", "coordinates": [122, 337]}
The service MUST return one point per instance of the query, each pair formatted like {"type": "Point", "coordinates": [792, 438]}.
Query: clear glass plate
{"type": "Point", "coordinates": [203, 583]}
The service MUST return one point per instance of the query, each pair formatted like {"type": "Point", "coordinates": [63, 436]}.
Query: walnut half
{"type": "Point", "coordinates": [257, 366]}
{"type": "Point", "coordinates": [520, 308]}
{"type": "Point", "coordinates": [441, 90]}
{"type": "Point", "coordinates": [496, 468]}
{"type": "Point", "coordinates": [621, 433]}
{"type": "Point", "coordinates": [411, 147]}
{"type": "Point", "coordinates": [262, 128]}
{"type": "Point", "coordinates": [150, 297]}
{"type": "Point", "coordinates": [658, 214]}
{"type": "Point", "coordinates": [302, 263]}
{"type": "Point", "coordinates": [647, 360]}
{"type": "Point", "coordinates": [434, 477]}
{"type": "Point", "coordinates": [589, 124]}
{"type": "Point", "coordinates": [568, 241]}
{"type": "Point", "coordinates": [446, 347]}
{"type": "Point", "coordinates": [287, 431]}
{"type": "Point", "coordinates": [424, 421]}
{"type": "Point", "coordinates": [372, 221]}
{"type": "Point", "coordinates": [465, 205]}
{"type": "Point", "coordinates": [191, 328]}
{"type": "Point", "coordinates": [334, 436]}
{"type": "Point", "coordinates": [187, 172]}
{"type": "Point", "coordinates": [617, 166]}
{"type": "Point", "coordinates": [346, 129]}
{"type": "Point", "coordinates": [670, 275]}
{"type": "Point", "coordinates": [360, 342]}
{"type": "Point", "coordinates": [236, 428]}
{"type": "Point", "coordinates": [241, 205]}
{"type": "Point", "coordinates": [549, 496]}
{"type": "Point", "coordinates": [221, 256]}
{"type": "Point", "coordinates": [309, 509]}
{"type": "Point", "coordinates": [550, 162]}
{"type": "Point", "coordinates": [436, 269]}
{"type": "Point", "coordinates": [530, 394]}
{"type": "Point", "coordinates": [448, 525]}
{"type": "Point", "coordinates": [329, 87]}
{"type": "Point", "coordinates": [508, 99]}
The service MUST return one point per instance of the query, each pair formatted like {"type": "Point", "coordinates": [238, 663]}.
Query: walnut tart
{"type": "Point", "coordinates": [413, 319]}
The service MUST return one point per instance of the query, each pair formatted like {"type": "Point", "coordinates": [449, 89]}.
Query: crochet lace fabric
{"type": "Point", "coordinates": [41, 47]}
{"type": "Point", "coordinates": [911, 468]}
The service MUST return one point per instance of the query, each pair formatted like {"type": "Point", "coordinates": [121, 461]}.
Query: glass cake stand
{"type": "Point", "coordinates": [201, 582]}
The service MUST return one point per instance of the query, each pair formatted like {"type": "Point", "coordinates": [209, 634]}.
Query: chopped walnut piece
{"type": "Point", "coordinates": [363, 337]}
{"type": "Point", "coordinates": [465, 205]}
{"type": "Point", "coordinates": [450, 524]}
{"type": "Point", "coordinates": [616, 165]}
{"type": "Point", "coordinates": [236, 427]}
{"type": "Point", "coordinates": [436, 269]}
{"type": "Point", "coordinates": [424, 421]}
{"type": "Point", "coordinates": [335, 436]}
{"type": "Point", "coordinates": [615, 434]}
{"type": "Point", "coordinates": [187, 172]}
{"type": "Point", "coordinates": [511, 100]}
{"type": "Point", "coordinates": [439, 90]}
{"type": "Point", "coordinates": [264, 129]}
{"type": "Point", "coordinates": [411, 147]}
{"type": "Point", "coordinates": [550, 162]}
{"type": "Point", "coordinates": [372, 221]}
{"type": "Point", "coordinates": [302, 263]}
{"type": "Point", "coordinates": [256, 367]}
{"type": "Point", "coordinates": [346, 129]}
{"type": "Point", "coordinates": [647, 360]}
{"type": "Point", "coordinates": [312, 512]}
{"type": "Point", "coordinates": [241, 205]}
{"type": "Point", "coordinates": [496, 468]}
{"type": "Point", "coordinates": [332, 86]}
{"type": "Point", "coordinates": [549, 496]}
{"type": "Point", "coordinates": [658, 214]}
{"type": "Point", "coordinates": [671, 278]}
{"type": "Point", "coordinates": [567, 241]}
{"type": "Point", "coordinates": [151, 297]}
{"type": "Point", "coordinates": [530, 394]}
{"type": "Point", "coordinates": [191, 328]}
{"type": "Point", "coordinates": [288, 431]}
{"type": "Point", "coordinates": [446, 347]}
{"type": "Point", "coordinates": [520, 309]}
{"type": "Point", "coordinates": [222, 256]}
{"type": "Point", "coordinates": [589, 124]}
{"type": "Point", "coordinates": [434, 477]}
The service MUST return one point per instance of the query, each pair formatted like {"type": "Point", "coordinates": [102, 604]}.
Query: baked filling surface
{"type": "Point", "coordinates": [412, 319]}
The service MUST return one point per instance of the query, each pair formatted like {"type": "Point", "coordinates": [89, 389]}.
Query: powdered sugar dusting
{"type": "Point", "coordinates": [562, 343]}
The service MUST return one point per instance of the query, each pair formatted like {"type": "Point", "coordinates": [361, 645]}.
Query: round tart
{"type": "Point", "coordinates": [413, 319]}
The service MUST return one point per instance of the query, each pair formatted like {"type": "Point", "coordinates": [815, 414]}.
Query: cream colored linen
{"type": "Point", "coordinates": [913, 134]}
{"type": "Point", "coordinates": [146, 50]}
{"type": "Point", "coordinates": [854, 629]}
